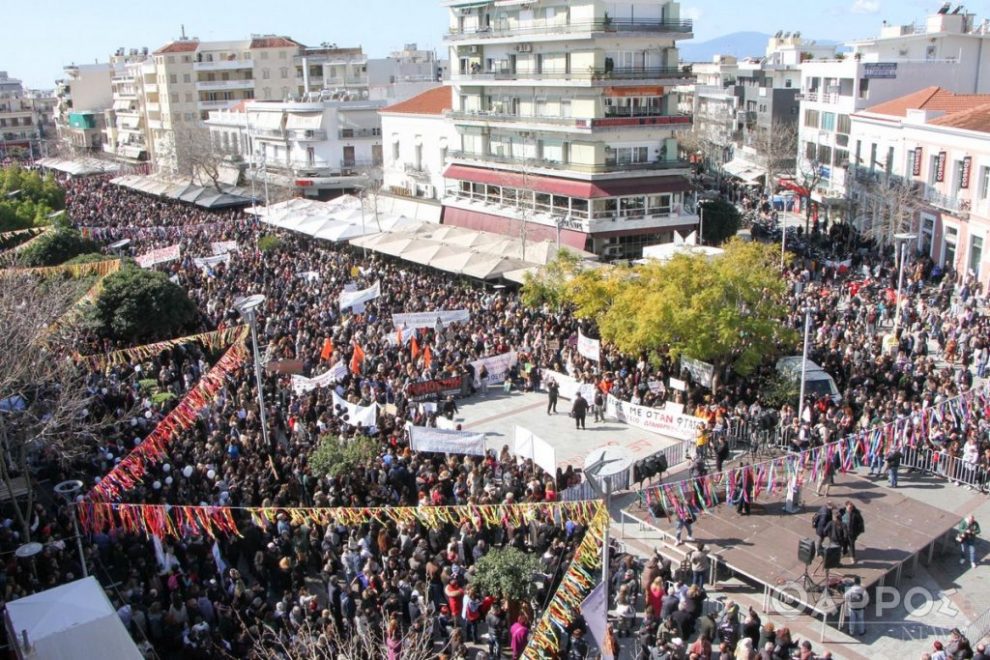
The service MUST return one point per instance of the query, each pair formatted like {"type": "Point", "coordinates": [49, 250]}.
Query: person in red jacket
{"type": "Point", "coordinates": [455, 599]}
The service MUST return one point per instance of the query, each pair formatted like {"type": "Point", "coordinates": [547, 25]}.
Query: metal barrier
{"type": "Point", "coordinates": [978, 628]}
{"type": "Point", "coordinates": [942, 464]}
{"type": "Point", "coordinates": [675, 454]}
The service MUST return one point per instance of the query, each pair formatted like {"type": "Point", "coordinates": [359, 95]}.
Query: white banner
{"type": "Point", "coordinates": [223, 247]}
{"type": "Point", "coordinates": [662, 422]}
{"type": "Point", "coordinates": [301, 384]}
{"type": "Point", "coordinates": [498, 367]}
{"type": "Point", "coordinates": [594, 611]}
{"type": "Point", "coordinates": [541, 452]}
{"type": "Point", "coordinates": [446, 441]}
{"type": "Point", "coordinates": [159, 256]}
{"type": "Point", "coordinates": [352, 298]}
{"type": "Point", "coordinates": [309, 275]}
{"type": "Point", "coordinates": [701, 372]}
{"type": "Point", "coordinates": [569, 386]}
{"type": "Point", "coordinates": [365, 416]}
{"type": "Point", "coordinates": [429, 319]}
{"type": "Point", "coordinates": [589, 348]}
{"type": "Point", "coordinates": [209, 262]}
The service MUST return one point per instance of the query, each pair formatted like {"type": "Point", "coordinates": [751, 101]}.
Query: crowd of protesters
{"type": "Point", "coordinates": [286, 581]}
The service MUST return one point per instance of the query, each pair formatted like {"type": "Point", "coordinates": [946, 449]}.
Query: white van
{"type": "Point", "coordinates": [817, 382]}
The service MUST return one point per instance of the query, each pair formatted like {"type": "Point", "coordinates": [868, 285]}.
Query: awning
{"type": "Point", "coordinates": [265, 120]}
{"type": "Point", "coordinates": [743, 170]}
{"type": "Point", "coordinates": [571, 187]}
{"type": "Point", "coordinates": [619, 92]}
{"type": "Point", "coordinates": [790, 184]}
{"type": "Point", "coordinates": [510, 227]}
{"type": "Point", "coordinates": [304, 122]}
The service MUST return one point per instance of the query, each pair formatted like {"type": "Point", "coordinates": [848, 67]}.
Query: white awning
{"type": "Point", "coordinates": [304, 122]}
{"type": "Point", "coordinates": [265, 120]}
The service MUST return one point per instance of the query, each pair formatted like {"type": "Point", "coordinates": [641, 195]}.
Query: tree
{"type": "Point", "coordinates": [729, 310]}
{"type": "Point", "coordinates": [44, 400]}
{"type": "Point", "coordinates": [506, 573]}
{"type": "Point", "coordinates": [809, 175]}
{"type": "Point", "coordinates": [57, 247]}
{"type": "Point", "coordinates": [891, 206]}
{"type": "Point", "coordinates": [721, 221]}
{"type": "Point", "coordinates": [337, 457]}
{"type": "Point", "coordinates": [142, 305]}
{"type": "Point", "coordinates": [776, 149]}
{"type": "Point", "coordinates": [546, 285]}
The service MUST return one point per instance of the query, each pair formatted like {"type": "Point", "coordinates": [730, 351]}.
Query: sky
{"type": "Point", "coordinates": [43, 36]}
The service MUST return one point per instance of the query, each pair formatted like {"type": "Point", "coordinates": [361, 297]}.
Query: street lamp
{"type": "Point", "coordinates": [804, 360]}
{"type": "Point", "coordinates": [68, 491]}
{"type": "Point", "coordinates": [247, 307]}
{"type": "Point", "coordinates": [902, 243]}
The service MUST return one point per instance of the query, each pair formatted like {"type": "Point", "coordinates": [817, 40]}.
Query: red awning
{"type": "Point", "coordinates": [570, 187]}
{"type": "Point", "coordinates": [645, 231]}
{"type": "Point", "coordinates": [790, 184]}
{"type": "Point", "coordinates": [510, 227]}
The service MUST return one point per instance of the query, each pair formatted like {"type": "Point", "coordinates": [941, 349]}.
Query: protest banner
{"type": "Point", "coordinates": [159, 256]}
{"type": "Point", "coordinates": [662, 422]}
{"type": "Point", "coordinates": [429, 319]}
{"type": "Point", "coordinates": [702, 373]}
{"type": "Point", "coordinates": [430, 389]}
{"type": "Point", "coordinates": [223, 247]}
{"type": "Point", "coordinates": [498, 367]}
{"type": "Point", "coordinates": [589, 348]}
{"type": "Point", "coordinates": [354, 298]}
{"type": "Point", "coordinates": [569, 387]}
{"type": "Point", "coordinates": [366, 416]}
{"type": "Point", "coordinates": [527, 445]}
{"type": "Point", "coordinates": [446, 441]}
{"type": "Point", "coordinates": [336, 373]}
{"type": "Point", "coordinates": [206, 263]}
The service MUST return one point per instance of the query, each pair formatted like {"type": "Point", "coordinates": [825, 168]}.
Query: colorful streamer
{"type": "Point", "coordinates": [212, 340]}
{"type": "Point", "coordinates": [98, 268]}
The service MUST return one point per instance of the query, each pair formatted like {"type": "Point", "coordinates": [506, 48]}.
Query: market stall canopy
{"type": "Point", "coordinates": [79, 166]}
{"type": "Point", "coordinates": [60, 623]}
{"type": "Point", "coordinates": [208, 196]}
{"type": "Point", "coordinates": [744, 170]}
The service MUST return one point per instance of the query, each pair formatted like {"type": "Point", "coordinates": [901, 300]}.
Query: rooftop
{"type": "Point", "coordinates": [431, 102]}
{"type": "Point", "coordinates": [974, 119]}
{"type": "Point", "coordinates": [930, 98]}
{"type": "Point", "coordinates": [187, 46]}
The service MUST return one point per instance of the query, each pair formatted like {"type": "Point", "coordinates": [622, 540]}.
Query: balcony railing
{"type": "Point", "coordinates": [357, 163]}
{"type": "Point", "coordinates": [307, 134]}
{"type": "Point", "coordinates": [503, 29]}
{"type": "Point", "coordinates": [222, 65]}
{"type": "Point", "coordinates": [658, 120]}
{"type": "Point", "coordinates": [947, 203]}
{"type": "Point", "coordinates": [243, 83]}
{"type": "Point", "coordinates": [596, 168]}
{"type": "Point", "coordinates": [599, 75]}
{"type": "Point", "coordinates": [416, 172]}
{"type": "Point", "coordinates": [514, 118]}
{"type": "Point", "coordinates": [359, 133]}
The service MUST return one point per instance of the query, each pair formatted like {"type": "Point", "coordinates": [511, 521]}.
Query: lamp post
{"type": "Point", "coordinates": [247, 307]}
{"type": "Point", "coordinates": [804, 361]}
{"type": "Point", "coordinates": [902, 243]}
{"type": "Point", "coordinates": [783, 242]}
{"type": "Point", "coordinates": [68, 490]}
{"type": "Point", "coordinates": [701, 224]}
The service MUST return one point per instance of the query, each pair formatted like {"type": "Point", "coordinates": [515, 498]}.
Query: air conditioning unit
{"type": "Point", "coordinates": [524, 48]}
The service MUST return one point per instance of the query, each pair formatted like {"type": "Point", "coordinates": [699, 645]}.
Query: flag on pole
{"type": "Point", "coordinates": [357, 358]}
{"type": "Point", "coordinates": [594, 611]}
{"type": "Point", "coordinates": [327, 349]}
{"type": "Point", "coordinates": [427, 357]}
{"type": "Point", "coordinates": [414, 349]}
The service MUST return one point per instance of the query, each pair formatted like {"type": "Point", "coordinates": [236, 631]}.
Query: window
{"type": "Point", "coordinates": [171, 59]}
{"type": "Point", "coordinates": [949, 241]}
{"type": "Point", "coordinates": [810, 150]}
{"type": "Point", "coordinates": [188, 116]}
{"type": "Point", "coordinates": [265, 73]}
{"type": "Point", "coordinates": [264, 54]}
{"type": "Point", "coordinates": [811, 118]}
{"type": "Point", "coordinates": [864, 88]}
{"type": "Point", "coordinates": [844, 125]}
{"type": "Point", "coordinates": [186, 78]}
{"type": "Point", "coordinates": [174, 97]}
{"type": "Point", "coordinates": [842, 158]}
{"type": "Point", "coordinates": [984, 191]}
{"type": "Point", "coordinates": [267, 93]}
{"type": "Point", "coordinates": [172, 79]}
{"type": "Point", "coordinates": [281, 55]}
{"type": "Point", "coordinates": [284, 72]}
{"type": "Point", "coordinates": [189, 97]}
{"type": "Point", "coordinates": [632, 207]}
{"type": "Point", "coordinates": [395, 150]}
{"type": "Point", "coordinates": [828, 121]}
{"type": "Point", "coordinates": [975, 254]}
{"type": "Point", "coordinates": [824, 154]}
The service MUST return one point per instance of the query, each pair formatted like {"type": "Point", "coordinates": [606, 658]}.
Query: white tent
{"type": "Point", "coordinates": [68, 622]}
{"type": "Point", "coordinates": [689, 246]}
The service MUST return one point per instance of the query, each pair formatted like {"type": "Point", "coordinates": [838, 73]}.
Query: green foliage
{"type": "Point", "coordinates": [336, 457]}
{"type": "Point", "coordinates": [546, 286]}
{"type": "Point", "coordinates": [721, 222]}
{"type": "Point", "coordinates": [161, 398]}
{"type": "Point", "coordinates": [142, 305]}
{"type": "Point", "coordinates": [727, 310]}
{"type": "Point", "coordinates": [57, 247]}
{"type": "Point", "coordinates": [506, 573]}
{"type": "Point", "coordinates": [88, 258]}
{"type": "Point", "coordinates": [778, 390]}
{"type": "Point", "coordinates": [27, 198]}
{"type": "Point", "coordinates": [148, 385]}
{"type": "Point", "coordinates": [269, 243]}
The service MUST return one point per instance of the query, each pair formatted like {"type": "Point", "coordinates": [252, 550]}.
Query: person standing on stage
{"type": "Point", "coordinates": [966, 534]}
{"type": "Point", "coordinates": [744, 489]}
{"type": "Point", "coordinates": [852, 522]}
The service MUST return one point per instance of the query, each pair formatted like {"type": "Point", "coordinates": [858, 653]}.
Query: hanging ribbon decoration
{"type": "Point", "coordinates": [98, 268]}
{"type": "Point", "coordinates": [167, 521]}
{"type": "Point", "coordinates": [211, 340]}
{"type": "Point", "coordinates": [126, 474]}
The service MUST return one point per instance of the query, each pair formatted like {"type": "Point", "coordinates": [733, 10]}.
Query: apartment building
{"type": "Point", "coordinates": [928, 154]}
{"type": "Point", "coordinates": [318, 149]}
{"type": "Point", "coordinates": [566, 121]}
{"type": "Point", "coordinates": [22, 116]}
{"type": "Point", "coordinates": [127, 136]}
{"type": "Point", "coordinates": [82, 96]}
{"type": "Point", "coordinates": [329, 70]}
{"type": "Point", "coordinates": [418, 138]}
{"type": "Point", "coordinates": [950, 48]}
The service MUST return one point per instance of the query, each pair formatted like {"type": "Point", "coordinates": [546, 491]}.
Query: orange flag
{"type": "Point", "coordinates": [327, 349]}
{"type": "Point", "coordinates": [427, 357]}
{"type": "Point", "coordinates": [414, 348]}
{"type": "Point", "coordinates": [357, 358]}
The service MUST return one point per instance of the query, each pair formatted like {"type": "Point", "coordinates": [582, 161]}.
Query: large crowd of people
{"type": "Point", "coordinates": [279, 584]}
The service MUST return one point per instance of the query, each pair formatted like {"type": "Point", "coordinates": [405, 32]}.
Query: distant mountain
{"type": "Point", "coordinates": [738, 44]}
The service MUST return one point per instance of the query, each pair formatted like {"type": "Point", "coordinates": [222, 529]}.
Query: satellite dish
{"type": "Point", "coordinates": [29, 550]}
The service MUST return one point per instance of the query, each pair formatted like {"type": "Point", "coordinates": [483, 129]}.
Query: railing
{"type": "Point", "coordinates": [415, 172]}
{"type": "Point", "coordinates": [675, 455]}
{"type": "Point", "coordinates": [349, 133]}
{"type": "Point", "coordinates": [947, 203]}
{"type": "Point", "coordinates": [357, 163]}
{"type": "Point", "coordinates": [942, 464]}
{"type": "Point", "coordinates": [658, 120]}
{"type": "Point", "coordinates": [307, 134]}
{"type": "Point", "coordinates": [225, 84]}
{"type": "Point", "coordinates": [598, 75]}
{"type": "Point", "coordinates": [222, 65]}
{"type": "Point", "coordinates": [508, 117]}
{"type": "Point", "coordinates": [596, 168]}
{"type": "Point", "coordinates": [503, 29]}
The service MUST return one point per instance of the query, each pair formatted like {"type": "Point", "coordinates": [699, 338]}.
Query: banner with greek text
{"type": "Point", "coordinates": [569, 387]}
{"type": "Point", "coordinates": [498, 367]}
{"type": "Point", "coordinates": [446, 441]}
{"type": "Point", "coordinates": [702, 373]}
{"type": "Point", "coordinates": [429, 319]}
{"type": "Point", "coordinates": [429, 389]}
{"type": "Point", "coordinates": [223, 247]}
{"type": "Point", "coordinates": [589, 348]}
{"type": "Point", "coordinates": [159, 256]}
{"type": "Point", "coordinates": [655, 420]}
{"type": "Point", "coordinates": [356, 415]}
{"type": "Point", "coordinates": [336, 373]}
{"type": "Point", "coordinates": [352, 298]}
{"type": "Point", "coordinates": [209, 262]}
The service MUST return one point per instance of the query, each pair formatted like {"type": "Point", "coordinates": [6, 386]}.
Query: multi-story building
{"type": "Point", "coordinates": [329, 70]}
{"type": "Point", "coordinates": [316, 148]}
{"type": "Point", "coordinates": [127, 135]}
{"type": "Point", "coordinates": [566, 122]}
{"type": "Point", "coordinates": [418, 137]}
{"type": "Point", "coordinates": [949, 48]}
{"type": "Point", "coordinates": [924, 168]}
{"type": "Point", "coordinates": [26, 119]}
{"type": "Point", "coordinates": [82, 96]}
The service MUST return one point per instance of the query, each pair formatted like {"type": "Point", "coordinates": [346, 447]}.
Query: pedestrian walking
{"type": "Point", "coordinates": [966, 534]}
{"type": "Point", "coordinates": [553, 393]}
{"type": "Point", "coordinates": [579, 410]}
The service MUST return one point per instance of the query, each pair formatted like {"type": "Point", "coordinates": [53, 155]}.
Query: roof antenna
{"type": "Point", "coordinates": [183, 29]}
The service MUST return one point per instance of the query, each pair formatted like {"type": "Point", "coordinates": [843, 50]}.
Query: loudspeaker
{"type": "Point", "coordinates": [832, 556]}
{"type": "Point", "coordinates": [806, 551]}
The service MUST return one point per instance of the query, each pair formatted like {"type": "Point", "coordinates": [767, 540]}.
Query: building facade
{"type": "Point", "coordinates": [127, 135]}
{"type": "Point", "coordinates": [949, 48]}
{"type": "Point", "coordinates": [82, 96]}
{"type": "Point", "coordinates": [26, 119]}
{"type": "Point", "coordinates": [418, 139]}
{"type": "Point", "coordinates": [566, 121]}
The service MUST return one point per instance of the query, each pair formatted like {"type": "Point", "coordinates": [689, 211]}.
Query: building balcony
{"type": "Point", "coordinates": [359, 133]}
{"type": "Point", "coordinates": [351, 164]}
{"type": "Point", "coordinates": [152, 107]}
{"type": "Point", "coordinates": [223, 65]}
{"type": "Point", "coordinates": [151, 88]}
{"type": "Point", "coordinates": [416, 172]}
{"type": "Point", "coordinates": [591, 76]}
{"type": "Point", "coordinates": [626, 120]}
{"type": "Point", "coordinates": [502, 29]}
{"type": "Point", "coordinates": [215, 105]}
{"type": "Point", "coordinates": [213, 85]}
{"type": "Point", "coordinates": [504, 118]}
{"type": "Point", "coordinates": [953, 205]}
{"type": "Point", "coordinates": [343, 81]}
{"type": "Point", "coordinates": [307, 135]}
{"type": "Point", "coordinates": [608, 167]}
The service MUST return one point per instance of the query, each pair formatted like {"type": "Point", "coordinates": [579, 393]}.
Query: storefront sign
{"type": "Point", "coordinates": [918, 154]}
{"type": "Point", "coordinates": [967, 166]}
{"type": "Point", "coordinates": [877, 70]}
{"type": "Point", "coordinates": [940, 167]}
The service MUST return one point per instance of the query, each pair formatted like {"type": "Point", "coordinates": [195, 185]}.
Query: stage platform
{"type": "Point", "coordinates": [762, 548]}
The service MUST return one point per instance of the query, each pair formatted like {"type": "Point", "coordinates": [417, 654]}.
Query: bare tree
{"type": "Point", "coordinates": [198, 156]}
{"type": "Point", "coordinates": [890, 206]}
{"type": "Point", "coordinates": [44, 400]}
{"type": "Point", "coordinates": [776, 151]}
{"type": "Point", "coordinates": [360, 641]}
{"type": "Point", "coordinates": [809, 175]}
